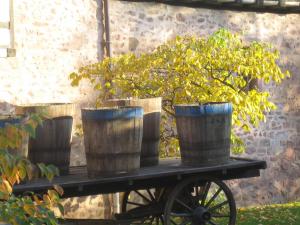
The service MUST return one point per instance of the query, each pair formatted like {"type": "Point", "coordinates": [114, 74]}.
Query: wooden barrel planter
{"type": "Point", "coordinates": [151, 126]}
{"type": "Point", "coordinates": [204, 133]}
{"type": "Point", "coordinates": [22, 150]}
{"type": "Point", "coordinates": [112, 139]}
{"type": "Point", "coordinates": [52, 144]}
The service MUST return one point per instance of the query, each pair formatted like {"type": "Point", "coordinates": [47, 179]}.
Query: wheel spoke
{"type": "Point", "coordinates": [143, 201]}
{"type": "Point", "coordinates": [204, 196]}
{"type": "Point", "coordinates": [185, 222]}
{"type": "Point", "coordinates": [173, 222]}
{"type": "Point", "coordinates": [184, 205]}
{"type": "Point", "coordinates": [181, 214]}
{"type": "Point", "coordinates": [213, 197]}
{"type": "Point", "coordinates": [218, 206]}
{"type": "Point", "coordinates": [143, 221]}
{"type": "Point", "coordinates": [151, 196]}
{"type": "Point", "coordinates": [195, 199]}
{"type": "Point", "coordinates": [161, 193]}
{"type": "Point", "coordinates": [162, 219]}
{"type": "Point", "coordinates": [157, 220]}
{"type": "Point", "coordinates": [187, 194]}
{"type": "Point", "coordinates": [134, 203]}
{"type": "Point", "coordinates": [142, 196]}
{"type": "Point", "coordinates": [151, 218]}
{"type": "Point", "coordinates": [212, 223]}
{"type": "Point", "coordinates": [196, 189]}
{"type": "Point", "coordinates": [219, 216]}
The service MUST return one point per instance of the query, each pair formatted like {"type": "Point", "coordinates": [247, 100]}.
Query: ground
{"type": "Point", "coordinates": [285, 214]}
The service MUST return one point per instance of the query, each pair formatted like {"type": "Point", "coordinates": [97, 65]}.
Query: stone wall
{"type": "Point", "coordinates": [54, 38]}
{"type": "Point", "coordinates": [140, 27]}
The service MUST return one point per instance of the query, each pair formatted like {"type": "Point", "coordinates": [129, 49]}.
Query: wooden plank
{"type": "Point", "coordinates": [166, 168]}
{"type": "Point", "coordinates": [87, 222]}
{"type": "Point", "coordinates": [77, 183]}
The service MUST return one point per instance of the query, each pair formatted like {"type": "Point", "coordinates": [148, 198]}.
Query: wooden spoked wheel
{"type": "Point", "coordinates": [200, 202]}
{"type": "Point", "coordinates": [145, 205]}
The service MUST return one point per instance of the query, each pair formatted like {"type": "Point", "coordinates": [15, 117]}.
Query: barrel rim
{"type": "Point", "coordinates": [9, 116]}
{"type": "Point", "coordinates": [200, 104]}
{"type": "Point", "coordinates": [9, 119]}
{"type": "Point", "coordinates": [209, 108]}
{"type": "Point", "coordinates": [110, 108]}
{"type": "Point", "coordinates": [117, 112]}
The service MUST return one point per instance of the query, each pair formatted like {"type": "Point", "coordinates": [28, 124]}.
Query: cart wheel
{"type": "Point", "coordinates": [147, 204]}
{"type": "Point", "coordinates": [198, 201]}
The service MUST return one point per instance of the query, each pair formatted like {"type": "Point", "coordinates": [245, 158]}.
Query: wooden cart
{"type": "Point", "coordinates": [169, 194]}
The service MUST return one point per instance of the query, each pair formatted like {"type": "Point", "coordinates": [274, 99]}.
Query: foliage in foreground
{"type": "Point", "coordinates": [219, 68]}
{"type": "Point", "coordinates": [30, 209]}
{"type": "Point", "coordinates": [285, 214]}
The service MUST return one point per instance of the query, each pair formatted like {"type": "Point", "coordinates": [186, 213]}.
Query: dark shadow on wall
{"type": "Point", "coordinates": [100, 40]}
{"type": "Point", "coordinates": [234, 6]}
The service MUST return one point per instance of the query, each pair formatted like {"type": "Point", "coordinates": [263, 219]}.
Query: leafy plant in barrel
{"type": "Point", "coordinates": [219, 68]}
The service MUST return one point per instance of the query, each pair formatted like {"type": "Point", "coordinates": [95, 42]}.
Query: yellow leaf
{"type": "Point", "coordinates": [46, 199]}
{"type": "Point", "coordinates": [29, 209]}
{"type": "Point", "coordinates": [37, 200]}
{"type": "Point", "coordinates": [7, 186]}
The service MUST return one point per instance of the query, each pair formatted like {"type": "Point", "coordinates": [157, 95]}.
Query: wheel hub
{"type": "Point", "coordinates": [201, 215]}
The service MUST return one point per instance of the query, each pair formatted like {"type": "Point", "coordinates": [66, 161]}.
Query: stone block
{"type": "Point", "coordinates": [180, 17]}
{"type": "Point", "coordinates": [133, 43]}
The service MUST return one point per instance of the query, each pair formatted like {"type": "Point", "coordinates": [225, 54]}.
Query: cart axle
{"type": "Point", "coordinates": [201, 215]}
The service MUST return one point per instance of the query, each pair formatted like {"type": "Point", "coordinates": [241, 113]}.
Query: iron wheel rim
{"type": "Point", "coordinates": [197, 201]}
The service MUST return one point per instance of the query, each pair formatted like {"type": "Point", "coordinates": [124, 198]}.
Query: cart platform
{"type": "Point", "coordinates": [169, 172]}
{"type": "Point", "coordinates": [166, 194]}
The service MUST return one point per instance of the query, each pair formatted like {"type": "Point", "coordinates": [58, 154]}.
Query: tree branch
{"type": "Point", "coordinates": [168, 111]}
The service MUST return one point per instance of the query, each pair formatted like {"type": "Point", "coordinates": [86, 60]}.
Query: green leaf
{"type": "Point", "coordinates": [30, 130]}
